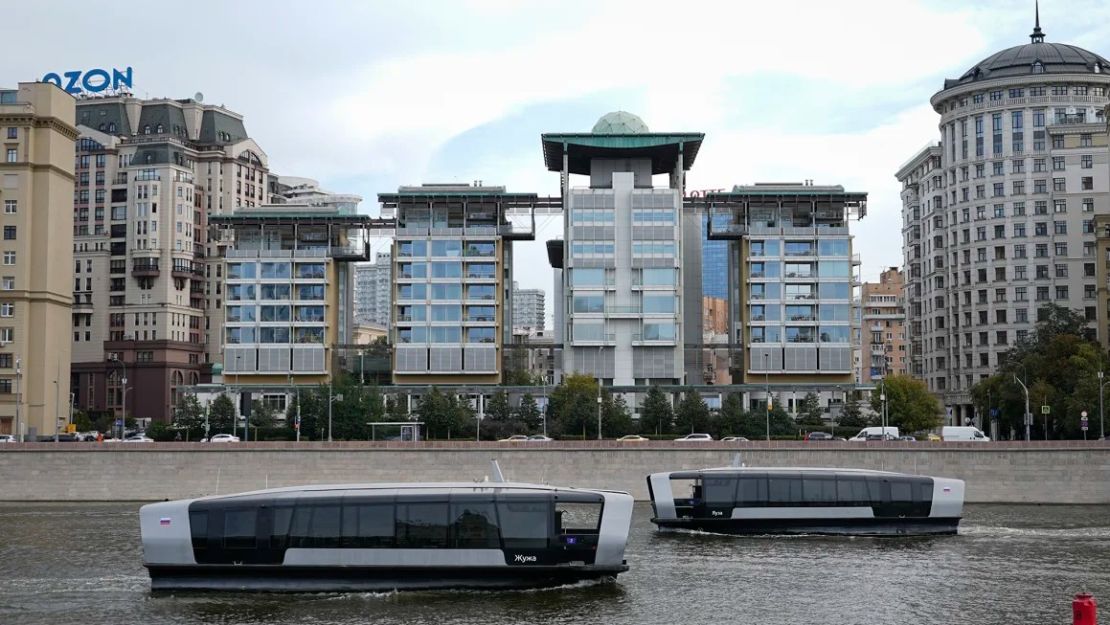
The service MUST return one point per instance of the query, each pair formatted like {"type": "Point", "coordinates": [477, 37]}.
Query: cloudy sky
{"type": "Point", "coordinates": [371, 95]}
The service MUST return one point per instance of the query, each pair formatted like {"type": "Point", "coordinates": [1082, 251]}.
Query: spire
{"type": "Point", "coordinates": [1037, 36]}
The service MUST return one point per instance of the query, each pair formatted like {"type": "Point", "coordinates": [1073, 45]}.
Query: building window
{"type": "Point", "coordinates": [10, 207]}
{"type": "Point", "coordinates": [1059, 184]}
{"type": "Point", "coordinates": [9, 258]}
{"type": "Point", "coordinates": [1087, 183]}
{"type": "Point", "coordinates": [9, 233]}
{"type": "Point", "coordinates": [7, 309]}
{"type": "Point", "coordinates": [1084, 141]}
{"type": "Point", "coordinates": [1086, 161]}
{"type": "Point", "coordinates": [12, 155]}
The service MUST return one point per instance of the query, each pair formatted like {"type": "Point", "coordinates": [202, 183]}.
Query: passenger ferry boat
{"type": "Point", "coordinates": [751, 500]}
{"type": "Point", "coordinates": [375, 537]}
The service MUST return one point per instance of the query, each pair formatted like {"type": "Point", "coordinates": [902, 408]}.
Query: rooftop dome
{"type": "Point", "coordinates": [620, 123]}
{"type": "Point", "coordinates": [1036, 57]}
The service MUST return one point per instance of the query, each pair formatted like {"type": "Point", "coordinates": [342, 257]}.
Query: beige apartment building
{"type": "Point", "coordinates": [147, 279]}
{"type": "Point", "coordinates": [883, 311]}
{"type": "Point", "coordinates": [37, 179]}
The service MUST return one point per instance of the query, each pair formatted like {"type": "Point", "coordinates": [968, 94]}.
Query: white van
{"type": "Point", "coordinates": [963, 433]}
{"type": "Point", "coordinates": [891, 432]}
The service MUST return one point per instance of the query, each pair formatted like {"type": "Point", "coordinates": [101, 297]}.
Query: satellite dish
{"type": "Point", "coordinates": [198, 96]}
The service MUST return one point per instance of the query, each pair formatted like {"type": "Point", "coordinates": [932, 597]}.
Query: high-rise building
{"type": "Point", "coordinates": [995, 231]}
{"type": "Point", "coordinates": [147, 278]}
{"type": "Point", "coordinates": [373, 291]}
{"type": "Point", "coordinates": [791, 276]}
{"type": "Point", "coordinates": [625, 318]}
{"type": "Point", "coordinates": [452, 280]}
{"type": "Point", "coordinates": [528, 310]}
{"type": "Point", "coordinates": [884, 315]}
{"type": "Point", "coordinates": [36, 183]}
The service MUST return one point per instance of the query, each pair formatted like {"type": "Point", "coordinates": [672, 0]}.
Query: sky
{"type": "Point", "coordinates": [368, 96]}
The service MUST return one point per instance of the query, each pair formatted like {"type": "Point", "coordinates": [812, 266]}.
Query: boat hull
{"type": "Point", "coordinates": [246, 578]}
{"type": "Point", "coordinates": [815, 526]}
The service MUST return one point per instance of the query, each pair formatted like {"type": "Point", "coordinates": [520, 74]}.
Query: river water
{"type": "Point", "coordinates": [80, 564]}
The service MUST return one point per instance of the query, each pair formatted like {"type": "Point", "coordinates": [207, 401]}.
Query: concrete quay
{"type": "Point", "coordinates": [1049, 472]}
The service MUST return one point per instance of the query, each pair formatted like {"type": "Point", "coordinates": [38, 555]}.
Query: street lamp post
{"type": "Point", "coordinates": [1101, 415]}
{"type": "Point", "coordinates": [18, 399]}
{"type": "Point", "coordinates": [600, 348]}
{"type": "Point", "coordinates": [882, 398]}
{"type": "Point", "coordinates": [1028, 416]}
{"type": "Point", "coordinates": [767, 398]}
{"type": "Point", "coordinates": [56, 415]}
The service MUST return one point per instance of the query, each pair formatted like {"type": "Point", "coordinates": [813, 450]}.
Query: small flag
{"type": "Point", "coordinates": [164, 520]}
{"type": "Point", "coordinates": [947, 489]}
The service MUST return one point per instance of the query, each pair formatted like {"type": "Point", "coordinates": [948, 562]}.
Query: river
{"type": "Point", "coordinates": [80, 564]}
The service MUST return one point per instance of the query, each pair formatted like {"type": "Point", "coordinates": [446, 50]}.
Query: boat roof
{"type": "Point", "coordinates": [485, 486]}
{"type": "Point", "coordinates": [790, 470]}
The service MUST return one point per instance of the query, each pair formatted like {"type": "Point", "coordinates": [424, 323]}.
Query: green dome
{"type": "Point", "coordinates": [620, 123]}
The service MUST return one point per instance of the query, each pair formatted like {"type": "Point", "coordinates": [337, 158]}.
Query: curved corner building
{"type": "Point", "coordinates": [999, 215]}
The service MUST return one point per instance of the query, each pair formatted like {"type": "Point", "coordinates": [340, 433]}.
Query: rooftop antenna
{"type": "Point", "coordinates": [495, 472]}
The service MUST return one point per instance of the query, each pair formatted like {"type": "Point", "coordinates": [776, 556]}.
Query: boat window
{"type": "Point", "coordinates": [719, 490]}
{"type": "Point", "coordinates": [819, 489]}
{"type": "Point", "coordinates": [198, 528]}
{"type": "Point", "coordinates": [240, 528]}
{"type": "Point", "coordinates": [367, 526]}
{"type": "Point", "coordinates": [901, 491]}
{"type": "Point", "coordinates": [524, 523]}
{"type": "Point", "coordinates": [852, 491]}
{"type": "Point", "coordinates": [925, 490]}
{"type": "Point", "coordinates": [577, 518]}
{"type": "Point", "coordinates": [324, 528]}
{"type": "Point", "coordinates": [298, 530]}
{"type": "Point", "coordinates": [283, 517]}
{"type": "Point", "coordinates": [421, 525]}
{"type": "Point", "coordinates": [752, 490]}
{"type": "Point", "coordinates": [875, 490]}
{"type": "Point", "coordinates": [784, 490]}
{"type": "Point", "coordinates": [474, 525]}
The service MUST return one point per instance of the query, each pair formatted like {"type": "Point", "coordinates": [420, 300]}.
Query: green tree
{"type": "Point", "coordinates": [221, 415]}
{"type": "Point", "coordinates": [500, 420]}
{"type": "Point", "coordinates": [82, 421]}
{"type": "Point", "coordinates": [396, 408]}
{"type": "Point", "coordinates": [160, 431]}
{"type": "Point", "coordinates": [263, 414]}
{"type": "Point", "coordinates": [692, 414]}
{"type": "Point", "coordinates": [810, 411]}
{"type": "Point", "coordinates": [851, 416]}
{"type": "Point", "coordinates": [910, 405]}
{"type": "Point", "coordinates": [616, 420]}
{"type": "Point", "coordinates": [444, 416]}
{"type": "Point", "coordinates": [528, 413]}
{"type": "Point", "coordinates": [188, 416]}
{"type": "Point", "coordinates": [730, 419]}
{"type": "Point", "coordinates": [573, 410]}
{"type": "Point", "coordinates": [656, 413]}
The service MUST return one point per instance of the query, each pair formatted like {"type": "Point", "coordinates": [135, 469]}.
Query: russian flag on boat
{"type": "Point", "coordinates": [164, 520]}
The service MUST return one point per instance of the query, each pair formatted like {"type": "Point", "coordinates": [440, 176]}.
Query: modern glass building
{"type": "Point", "coordinates": [714, 260]}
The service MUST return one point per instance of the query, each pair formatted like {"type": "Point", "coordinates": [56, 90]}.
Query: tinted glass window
{"type": "Point", "coordinates": [901, 491]}
{"type": "Point", "coordinates": [819, 489]}
{"type": "Point", "coordinates": [852, 491]}
{"type": "Point", "coordinates": [752, 490]}
{"type": "Point", "coordinates": [925, 491]}
{"type": "Point", "coordinates": [875, 490]}
{"type": "Point", "coordinates": [784, 490]}
{"type": "Point", "coordinates": [298, 530]}
{"type": "Point", "coordinates": [367, 525]}
{"type": "Point", "coordinates": [283, 518]}
{"type": "Point", "coordinates": [198, 528]}
{"type": "Point", "coordinates": [474, 525]}
{"type": "Point", "coordinates": [239, 528]}
{"type": "Point", "coordinates": [719, 490]}
{"type": "Point", "coordinates": [324, 528]}
{"type": "Point", "coordinates": [422, 525]}
{"type": "Point", "coordinates": [524, 524]}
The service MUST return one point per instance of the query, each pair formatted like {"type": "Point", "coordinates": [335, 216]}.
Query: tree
{"type": "Point", "coordinates": [188, 415]}
{"type": "Point", "coordinates": [781, 423]}
{"type": "Point", "coordinates": [528, 413]}
{"type": "Point", "coordinates": [851, 416]}
{"type": "Point", "coordinates": [396, 408]}
{"type": "Point", "coordinates": [656, 413]}
{"type": "Point", "coordinates": [574, 407]}
{"type": "Point", "coordinates": [616, 420]}
{"type": "Point", "coordinates": [810, 411]}
{"type": "Point", "coordinates": [221, 415]}
{"type": "Point", "coordinates": [693, 413]}
{"type": "Point", "coordinates": [82, 421]}
{"type": "Point", "coordinates": [263, 414]}
{"type": "Point", "coordinates": [730, 419]}
{"type": "Point", "coordinates": [444, 416]}
{"type": "Point", "coordinates": [500, 420]}
{"type": "Point", "coordinates": [160, 432]}
{"type": "Point", "coordinates": [910, 406]}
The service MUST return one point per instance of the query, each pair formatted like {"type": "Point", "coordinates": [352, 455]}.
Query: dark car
{"type": "Point", "coordinates": [907, 438]}
{"type": "Point", "coordinates": [819, 436]}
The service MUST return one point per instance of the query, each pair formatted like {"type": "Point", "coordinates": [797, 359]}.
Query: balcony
{"type": "Point", "coordinates": [145, 268]}
{"type": "Point", "coordinates": [82, 303]}
{"type": "Point", "coordinates": [623, 311]}
{"type": "Point", "coordinates": [182, 268]}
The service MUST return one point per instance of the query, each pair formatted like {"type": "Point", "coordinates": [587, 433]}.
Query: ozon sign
{"type": "Point", "coordinates": [91, 81]}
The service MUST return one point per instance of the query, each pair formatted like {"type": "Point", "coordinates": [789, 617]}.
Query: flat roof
{"type": "Point", "coordinates": [663, 148]}
{"type": "Point", "coordinates": [300, 218]}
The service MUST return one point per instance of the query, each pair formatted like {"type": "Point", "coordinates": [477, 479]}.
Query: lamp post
{"type": "Point", "coordinates": [1101, 415]}
{"type": "Point", "coordinates": [599, 382]}
{"type": "Point", "coordinates": [18, 399]}
{"type": "Point", "coordinates": [767, 390]}
{"type": "Point", "coordinates": [882, 398]}
{"type": "Point", "coordinates": [1028, 417]}
{"type": "Point", "coordinates": [56, 415]}
{"type": "Point", "coordinates": [123, 405]}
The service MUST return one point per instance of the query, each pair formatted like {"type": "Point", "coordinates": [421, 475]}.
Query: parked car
{"type": "Point", "coordinates": [933, 438]}
{"type": "Point", "coordinates": [818, 436]}
{"type": "Point", "coordinates": [697, 437]}
{"type": "Point", "coordinates": [7, 438]}
{"type": "Point", "coordinates": [963, 433]}
{"type": "Point", "coordinates": [878, 436]}
{"type": "Point", "coordinates": [907, 437]}
{"type": "Point", "coordinates": [631, 438]}
{"type": "Point", "coordinates": [734, 439]}
{"type": "Point", "coordinates": [87, 437]}
{"type": "Point", "coordinates": [540, 438]}
{"type": "Point", "coordinates": [138, 438]}
{"type": "Point", "coordinates": [865, 433]}
{"type": "Point", "coordinates": [515, 438]}
{"type": "Point", "coordinates": [222, 438]}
